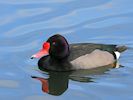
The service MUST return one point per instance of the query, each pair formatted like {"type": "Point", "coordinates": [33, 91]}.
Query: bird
{"type": "Point", "coordinates": [58, 55]}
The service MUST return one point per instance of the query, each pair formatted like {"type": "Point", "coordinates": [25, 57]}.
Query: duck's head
{"type": "Point", "coordinates": [56, 46]}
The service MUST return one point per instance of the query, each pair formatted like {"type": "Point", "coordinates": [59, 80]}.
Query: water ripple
{"type": "Point", "coordinates": [26, 24]}
{"type": "Point", "coordinates": [9, 84]}
{"type": "Point", "coordinates": [30, 1]}
{"type": "Point", "coordinates": [71, 18]}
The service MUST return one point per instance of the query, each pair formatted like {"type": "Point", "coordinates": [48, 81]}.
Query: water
{"type": "Point", "coordinates": [26, 24]}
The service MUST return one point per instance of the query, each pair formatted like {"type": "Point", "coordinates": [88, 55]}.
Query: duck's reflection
{"type": "Point", "coordinates": [57, 83]}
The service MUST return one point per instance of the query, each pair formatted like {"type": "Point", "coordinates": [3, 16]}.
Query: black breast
{"type": "Point", "coordinates": [48, 63]}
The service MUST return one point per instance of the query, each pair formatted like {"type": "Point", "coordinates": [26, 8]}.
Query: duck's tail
{"type": "Point", "coordinates": [119, 50]}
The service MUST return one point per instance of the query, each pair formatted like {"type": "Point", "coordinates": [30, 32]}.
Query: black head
{"type": "Point", "coordinates": [59, 47]}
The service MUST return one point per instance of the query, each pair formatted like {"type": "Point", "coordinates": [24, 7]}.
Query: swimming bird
{"type": "Point", "coordinates": [58, 55]}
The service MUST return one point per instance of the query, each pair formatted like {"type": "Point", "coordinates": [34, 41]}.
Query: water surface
{"type": "Point", "coordinates": [26, 24]}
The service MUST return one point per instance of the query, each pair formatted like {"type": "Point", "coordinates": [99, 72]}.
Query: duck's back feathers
{"type": "Point", "coordinates": [89, 55]}
{"type": "Point", "coordinates": [80, 49]}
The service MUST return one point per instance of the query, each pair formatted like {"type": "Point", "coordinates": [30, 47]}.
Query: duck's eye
{"type": "Point", "coordinates": [53, 43]}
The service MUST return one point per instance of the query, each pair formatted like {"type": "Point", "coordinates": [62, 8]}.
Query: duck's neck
{"type": "Point", "coordinates": [60, 59]}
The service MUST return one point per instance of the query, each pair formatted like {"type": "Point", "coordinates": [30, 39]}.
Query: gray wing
{"type": "Point", "coordinates": [79, 49]}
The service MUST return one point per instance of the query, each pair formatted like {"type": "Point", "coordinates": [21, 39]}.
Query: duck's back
{"type": "Point", "coordinates": [89, 55]}
{"type": "Point", "coordinates": [80, 49]}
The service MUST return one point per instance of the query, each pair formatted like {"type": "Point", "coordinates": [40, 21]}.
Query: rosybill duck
{"type": "Point", "coordinates": [57, 55]}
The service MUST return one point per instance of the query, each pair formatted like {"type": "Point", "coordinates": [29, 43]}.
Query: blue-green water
{"type": "Point", "coordinates": [26, 24]}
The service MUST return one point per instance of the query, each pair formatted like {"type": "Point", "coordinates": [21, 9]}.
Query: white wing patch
{"type": "Point", "coordinates": [117, 54]}
{"type": "Point", "coordinates": [95, 59]}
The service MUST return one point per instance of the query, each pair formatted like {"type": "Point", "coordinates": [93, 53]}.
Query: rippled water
{"type": "Point", "coordinates": [25, 24]}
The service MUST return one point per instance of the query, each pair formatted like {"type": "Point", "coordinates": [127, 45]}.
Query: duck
{"type": "Point", "coordinates": [58, 55]}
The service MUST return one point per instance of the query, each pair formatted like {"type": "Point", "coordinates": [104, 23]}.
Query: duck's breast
{"type": "Point", "coordinates": [95, 59]}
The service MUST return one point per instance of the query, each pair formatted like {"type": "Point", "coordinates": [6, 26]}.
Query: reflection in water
{"type": "Point", "coordinates": [57, 83]}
